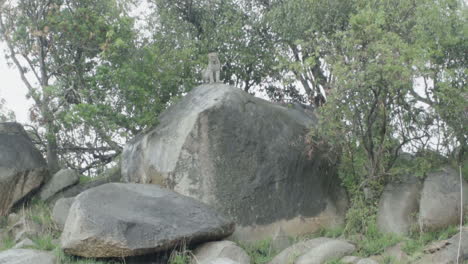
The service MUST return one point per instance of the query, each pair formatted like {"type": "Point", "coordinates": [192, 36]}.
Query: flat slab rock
{"type": "Point", "coordinates": [120, 220]}
{"type": "Point", "coordinates": [26, 256]}
{"type": "Point", "coordinates": [314, 251]}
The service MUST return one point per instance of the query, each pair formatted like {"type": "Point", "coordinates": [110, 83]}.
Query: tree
{"type": "Point", "coordinates": [242, 40]}
{"type": "Point", "coordinates": [55, 45]}
{"type": "Point", "coordinates": [304, 32]}
{"type": "Point", "coordinates": [376, 110]}
{"type": "Point", "coordinates": [5, 114]}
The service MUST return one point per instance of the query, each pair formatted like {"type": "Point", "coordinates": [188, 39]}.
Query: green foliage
{"type": "Point", "coordinates": [260, 252]}
{"type": "Point", "coordinates": [178, 257]}
{"type": "Point", "coordinates": [40, 212]}
{"type": "Point", "coordinates": [85, 179]}
{"type": "Point", "coordinates": [418, 241]}
{"type": "Point", "coordinates": [44, 242]}
{"type": "Point", "coordinates": [333, 232]}
{"type": "Point", "coordinates": [374, 242]}
{"type": "Point", "coordinates": [5, 114]}
{"type": "Point", "coordinates": [7, 242]}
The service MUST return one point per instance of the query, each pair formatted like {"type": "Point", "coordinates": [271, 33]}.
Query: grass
{"type": "Point", "coordinates": [85, 179]}
{"type": "Point", "coordinates": [44, 242]}
{"type": "Point", "coordinates": [180, 257]}
{"type": "Point", "coordinates": [260, 252]}
{"type": "Point", "coordinates": [40, 213]}
{"type": "Point", "coordinates": [418, 241]}
{"type": "Point", "coordinates": [63, 258]}
{"type": "Point", "coordinates": [6, 243]}
{"type": "Point", "coordinates": [333, 232]}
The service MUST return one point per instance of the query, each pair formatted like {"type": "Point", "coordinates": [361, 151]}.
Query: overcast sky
{"type": "Point", "coordinates": [12, 89]}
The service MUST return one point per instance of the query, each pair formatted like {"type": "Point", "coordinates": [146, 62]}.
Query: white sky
{"type": "Point", "coordinates": [12, 89]}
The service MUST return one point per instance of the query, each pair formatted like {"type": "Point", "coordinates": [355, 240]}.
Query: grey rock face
{"type": "Point", "coordinates": [209, 252]}
{"type": "Point", "coordinates": [333, 249]}
{"type": "Point", "coordinates": [440, 200]}
{"type": "Point", "coordinates": [61, 180]}
{"type": "Point", "coordinates": [280, 241]}
{"type": "Point", "coordinates": [26, 256]}
{"type": "Point", "coordinates": [112, 175]}
{"type": "Point", "coordinates": [22, 168]}
{"type": "Point", "coordinates": [60, 211]}
{"type": "Point", "coordinates": [246, 157]}
{"type": "Point", "coordinates": [350, 260]}
{"type": "Point", "coordinates": [444, 255]}
{"type": "Point", "coordinates": [367, 261]}
{"type": "Point", "coordinates": [290, 254]}
{"type": "Point", "coordinates": [223, 261]}
{"type": "Point", "coordinates": [119, 220]}
{"type": "Point", "coordinates": [24, 243]}
{"type": "Point", "coordinates": [24, 228]}
{"type": "Point", "coordinates": [399, 205]}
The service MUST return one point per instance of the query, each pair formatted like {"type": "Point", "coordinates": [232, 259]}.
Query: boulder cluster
{"type": "Point", "coordinates": [221, 166]}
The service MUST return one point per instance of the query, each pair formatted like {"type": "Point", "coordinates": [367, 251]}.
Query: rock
{"type": "Point", "coordinates": [397, 252]}
{"type": "Point", "coordinates": [24, 243]}
{"type": "Point", "coordinates": [223, 261]}
{"type": "Point", "coordinates": [22, 167]}
{"type": "Point", "coordinates": [280, 241]}
{"type": "Point", "coordinates": [61, 180]}
{"type": "Point", "coordinates": [246, 157]}
{"type": "Point", "coordinates": [367, 261]}
{"type": "Point", "coordinates": [210, 251]}
{"type": "Point", "coordinates": [119, 220]}
{"type": "Point", "coordinates": [440, 200]}
{"type": "Point", "coordinates": [399, 206]}
{"type": "Point", "coordinates": [290, 254]}
{"type": "Point", "coordinates": [329, 250]}
{"type": "Point", "coordinates": [445, 255]}
{"type": "Point", "coordinates": [350, 260]}
{"type": "Point", "coordinates": [464, 241]}
{"type": "Point", "coordinates": [26, 256]}
{"type": "Point", "coordinates": [60, 211]}
{"type": "Point", "coordinates": [112, 175]}
{"type": "Point", "coordinates": [24, 228]}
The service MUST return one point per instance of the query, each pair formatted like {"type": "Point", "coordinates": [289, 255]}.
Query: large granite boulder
{"type": "Point", "coordinates": [440, 200]}
{"type": "Point", "coordinates": [399, 205]}
{"type": "Point", "coordinates": [26, 256]}
{"type": "Point", "coordinates": [119, 220]}
{"type": "Point", "coordinates": [246, 157]}
{"type": "Point", "coordinates": [22, 167]}
{"type": "Point", "coordinates": [62, 179]}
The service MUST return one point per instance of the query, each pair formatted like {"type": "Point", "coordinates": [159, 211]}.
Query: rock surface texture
{"type": "Point", "coordinates": [317, 250]}
{"type": "Point", "coordinates": [209, 252]}
{"type": "Point", "coordinates": [329, 250]}
{"type": "Point", "coordinates": [440, 200]}
{"type": "Point", "coordinates": [60, 211]}
{"type": "Point", "coordinates": [119, 220]}
{"type": "Point", "coordinates": [26, 256]}
{"type": "Point", "coordinates": [399, 205]}
{"type": "Point", "coordinates": [22, 167]}
{"type": "Point", "coordinates": [59, 181]}
{"type": "Point", "coordinates": [246, 157]}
